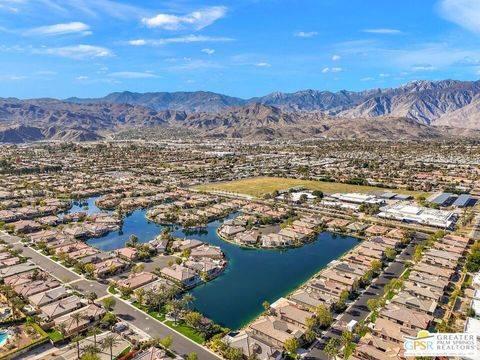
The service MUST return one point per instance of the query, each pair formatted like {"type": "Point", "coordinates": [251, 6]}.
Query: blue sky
{"type": "Point", "coordinates": [246, 48]}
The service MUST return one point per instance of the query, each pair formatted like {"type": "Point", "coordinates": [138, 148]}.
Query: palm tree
{"type": "Point", "coordinates": [94, 331]}
{"type": "Point", "coordinates": [187, 299]}
{"type": "Point", "coordinates": [346, 340]}
{"type": "Point", "coordinates": [16, 304]}
{"type": "Point", "coordinates": [175, 307]}
{"type": "Point", "coordinates": [332, 349]}
{"type": "Point", "coordinates": [77, 317]}
{"type": "Point", "coordinates": [91, 351]}
{"type": "Point", "coordinates": [109, 303]}
{"type": "Point", "coordinates": [77, 339]}
{"type": "Point", "coordinates": [62, 327]}
{"type": "Point", "coordinates": [139, 294]}
{"type": "Point", "coordinates": [109, 342]}
{"type": "Point", "coordinates": [132, 241]}
{"type": "Point", "coordinates": [91, 296]}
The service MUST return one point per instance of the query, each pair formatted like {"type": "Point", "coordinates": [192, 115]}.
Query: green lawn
{"type": "Point", "coordinates": [154, 314]}
{"type": "Point", "coordinates": [406, 274]}
{"type": "Point", "coordinates": [262, 185]}
{"type": "Point", "coordinates": [192, 334]}
{"type": "Point", "coordinates": [180, 327]}
{"type": "Point", "coordinates": [55, 335]}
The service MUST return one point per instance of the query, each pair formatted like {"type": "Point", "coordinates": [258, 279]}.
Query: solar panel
{"type": "Point", "coordinates": [462, 200]}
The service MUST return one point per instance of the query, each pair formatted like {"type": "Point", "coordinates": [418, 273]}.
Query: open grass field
{"type": "Point", "coordinates": [262, 185]}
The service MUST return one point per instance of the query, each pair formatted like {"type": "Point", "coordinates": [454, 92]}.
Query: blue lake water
{"type": "Point", "coordinates": [79, 206]}
{"type": "Point", "coordinates": [252, 275]}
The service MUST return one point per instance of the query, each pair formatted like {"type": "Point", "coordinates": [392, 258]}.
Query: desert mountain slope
{"type": "Point", "coordinates": [420, 100]}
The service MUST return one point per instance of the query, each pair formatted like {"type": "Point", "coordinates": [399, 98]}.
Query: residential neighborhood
{"type": "Point", "coordinates": [151, 254]}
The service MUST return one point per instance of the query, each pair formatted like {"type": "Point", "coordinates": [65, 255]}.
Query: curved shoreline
{"type": "Point", "coordinates": [246, 247]}
{"type": "Point", "coordinates": [287, 294]}
{"type": "Point", "coordinates": [228, 264]}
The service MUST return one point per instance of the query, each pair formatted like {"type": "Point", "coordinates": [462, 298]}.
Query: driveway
{"type": "Point", "coordinates": [70, 352]}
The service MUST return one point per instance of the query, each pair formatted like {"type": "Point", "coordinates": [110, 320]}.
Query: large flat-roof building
{"type": "Point", "coordinates": [417, 214]}
{"type": "Point", "coordinates": [357, 198]}
{"type": "Point", "coordinates": [442, 199]}
{"type": "Point", "coordinates": [464, 200]}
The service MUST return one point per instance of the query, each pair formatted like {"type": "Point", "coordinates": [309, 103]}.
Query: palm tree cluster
{"type": "Point", "coordinates": [13, 300]}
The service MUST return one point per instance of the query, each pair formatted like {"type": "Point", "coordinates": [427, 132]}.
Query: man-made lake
{"type": "Point", "coordinates": [251, 277]}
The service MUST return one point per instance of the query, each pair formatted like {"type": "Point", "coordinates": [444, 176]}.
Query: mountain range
{"type": "Point", "coordinates": [423, 101]}
{"type": "Point", "coordinates": [415, 110]}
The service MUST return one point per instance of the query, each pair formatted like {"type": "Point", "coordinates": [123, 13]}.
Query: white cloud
{"type": "Point", "coordinates": [18, 77]}
{"type": "Point", "coordinates": [383, 75]}
{"type": "Point", "coordinates": [196, 19]}
{"type": "Point", "coordinates": [336, 57]}
{"type": "Point", "coordinates": [263, 64]}
{"type": "Point", "coordinates": [81, 78]}
{"type": "Point", "coordinates": [383, 31]}
{"type": "Point", "coordinates": [181, 39]}
{"type": "Point", "coordinates": [439, 55]}
{"type": "Point", "coordinates": [335, 69]}
{"type": "Point", "coordinates": [305, 34]}
{"type": "Point", "coordinates": [8, 8]}
{"type": "Point", "coordinates": [138, 42]}
{"type": "Point", "coordinates": [61, 29]}
{"type": "Point", "coordinates": [190, 64]}
{"type": "Point", "coordinates": [45, 72]}
{"type": "Point", "coordinates": [77, 52]}
{"type": "Point", "coordinates": [368, 78]}
{"type": "Point", "coordinates": [177, 60]}
{"type": "Point", "coordinates": [423, 67]}
{"type": "Point", "coordinates": [465, 13]}
{"type": "Point", "coordinates": [99, 9]}
{"type": "Point", "coordinates": [133, 75]}
{"type": "Point", "coordinates": [208, 51]}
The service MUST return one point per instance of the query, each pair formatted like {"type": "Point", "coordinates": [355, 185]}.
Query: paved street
{"type": "Point", "coordinates": [52, 267]}
{"type": "Point", "coordinates": [475, 234]}
{"type": "Point", "coordinates": [359, 310]}
{"type": "Point", "coordinates": [124, 311]}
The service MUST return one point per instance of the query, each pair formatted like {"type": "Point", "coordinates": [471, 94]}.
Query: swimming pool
{"type": "Point", "coordinates": [3, 337]}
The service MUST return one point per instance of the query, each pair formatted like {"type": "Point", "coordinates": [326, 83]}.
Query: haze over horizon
{"type": "Point", "coordinates": [242, 48]}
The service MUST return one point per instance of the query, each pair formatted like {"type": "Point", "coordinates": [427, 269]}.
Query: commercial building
{"type": "Point", "coordinates": [417, 214]}
{"type": "Point", "coordinates": [357, 198]}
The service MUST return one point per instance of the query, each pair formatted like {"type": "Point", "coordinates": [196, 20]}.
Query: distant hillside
{"type": "Point", "coordinates": [261, 122]}
{"type": "Point", "coordinates": [47, 119]}
{"type": "Point", "coordinates": [416, 110]}
{"type": "Point", "coordinates": [422, 101]}
{"type": "Point", "coordinates": [184, 101]}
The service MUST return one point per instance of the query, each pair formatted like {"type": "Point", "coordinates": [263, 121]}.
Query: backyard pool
{"type": "Point", "coordinates": [3, 337]}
